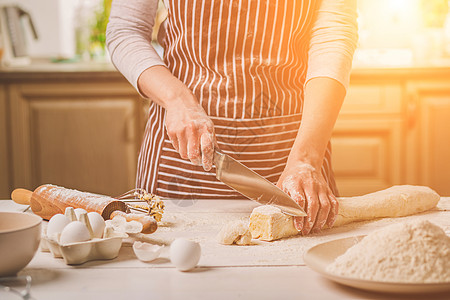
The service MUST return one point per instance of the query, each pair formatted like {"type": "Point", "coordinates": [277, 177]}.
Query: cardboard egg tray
{"type": "Point", "coordinates": [79, 253]}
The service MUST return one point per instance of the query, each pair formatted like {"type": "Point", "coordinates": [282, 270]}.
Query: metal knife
{"type": "Point", "coordinates": [252, 185]}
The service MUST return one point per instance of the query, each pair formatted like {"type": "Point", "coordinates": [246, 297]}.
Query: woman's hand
{"type": "Point", "coordinates": [191, 132]}
{"type": "Point", "coordinates": [302, 178]}
{"type": "Point", "coordinates": [188, 126]}
{"type": "Point", "coordinates": [306, 185]}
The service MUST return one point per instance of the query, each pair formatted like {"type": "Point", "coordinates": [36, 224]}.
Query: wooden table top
{"type": "Point", "coordinates": [263, 270]}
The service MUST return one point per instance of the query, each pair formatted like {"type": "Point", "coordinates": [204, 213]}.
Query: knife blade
{"type": "Point", "coordinates": [252, 185]}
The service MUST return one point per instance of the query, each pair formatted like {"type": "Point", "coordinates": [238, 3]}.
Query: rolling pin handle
{"type": "Point", "coordinates": [21, 196]}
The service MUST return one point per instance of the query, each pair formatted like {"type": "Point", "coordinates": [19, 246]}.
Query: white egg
{"type": "Point", "coordinates": [184, 254]}
{"type": "Point", "coordinates": [97, 224]}
{"type": "Point", "coordinates": [56, 225]}
{"type": "Point", "coordinates": [78, 212]}
{"type": "Point", "coordinates": [74, 232]}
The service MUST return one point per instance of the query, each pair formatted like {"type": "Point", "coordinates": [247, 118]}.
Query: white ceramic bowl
{"type": "Point", "coordinates": [20, 234]}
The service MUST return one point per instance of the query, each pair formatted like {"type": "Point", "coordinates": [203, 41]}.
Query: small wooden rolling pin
{"type": "Point", "coordinates": [49, 200]}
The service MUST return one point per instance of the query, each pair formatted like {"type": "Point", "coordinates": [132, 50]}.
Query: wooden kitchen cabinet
{"type": "Point", "coordinates": [81, 130]}
{"type": "Point", "coordinates": [367, 155]}
{"type": "Point", "coordinates": [4, 155]}
{"type": "Point", "coordinates": [81, 126]}
{"type": "Point", "coordinates": [82, 136]}
{"type": "Point", "coordinates": [367, 139]}
{"type": "Point", "coordinates": [430, 124]}
{"type": "Point", "coordinates": [373, 98]}
{"type": "Point", "coordinates": [394, 128]}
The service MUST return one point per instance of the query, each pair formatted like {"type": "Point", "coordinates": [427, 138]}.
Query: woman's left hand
{"type": "Point", "coordinates": [307, 186]}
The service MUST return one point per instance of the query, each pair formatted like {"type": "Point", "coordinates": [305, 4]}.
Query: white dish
{"type": "Point", "coordinates": [320, 256]}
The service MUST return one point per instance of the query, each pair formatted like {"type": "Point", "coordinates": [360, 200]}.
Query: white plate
{"type": "Point", "coordinates": [320, 256]}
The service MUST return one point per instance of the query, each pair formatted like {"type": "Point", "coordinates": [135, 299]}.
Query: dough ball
{"type": "Point", "coordinates": [235, 233]}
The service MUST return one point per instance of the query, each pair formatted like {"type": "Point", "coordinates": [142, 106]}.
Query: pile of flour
{"type": "Point", "coordinates": [414, 252]}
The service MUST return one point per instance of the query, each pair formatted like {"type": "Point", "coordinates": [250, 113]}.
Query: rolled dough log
{"type": "Point", "coordinates": [235, 233]}
{"type": "Point", "coordinates": [268, 223]}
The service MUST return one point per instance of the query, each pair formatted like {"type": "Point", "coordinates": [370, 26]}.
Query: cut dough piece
{"type": "Point", "coordinates": [235, 233]}
{"type": "Point", "coordinates": [269, 223]}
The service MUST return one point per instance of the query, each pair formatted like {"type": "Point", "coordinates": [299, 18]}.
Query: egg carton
{"type": "Point", "coordinates": [81, 252]}
{"type": "Point", "coordinates": [104, 248]}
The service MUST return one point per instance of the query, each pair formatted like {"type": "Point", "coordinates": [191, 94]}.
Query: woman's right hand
{"type": "Point", "coordinates": [191, 131]}
{"type": "Point", "coordinates": [188, 126]}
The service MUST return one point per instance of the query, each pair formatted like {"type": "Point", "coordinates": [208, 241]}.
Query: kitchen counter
{"type": "Point", "coordinates": [43, 69]}
{"type": "Point", "coordinates": [263, 270]}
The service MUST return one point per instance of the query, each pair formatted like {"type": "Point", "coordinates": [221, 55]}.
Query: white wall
{"type": "Point", "coordinates": [54, 23]}
{"type": "Point", "coordinates": [388, 23]}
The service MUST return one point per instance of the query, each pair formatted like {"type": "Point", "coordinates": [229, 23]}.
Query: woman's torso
{"type": "Point", "coordinates": [242, 59]}
{"type": "Point", "coordinates": [245, 61]}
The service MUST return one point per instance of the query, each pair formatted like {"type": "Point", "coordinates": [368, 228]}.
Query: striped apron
{"type": "Point", "coordinates": [245, 61]}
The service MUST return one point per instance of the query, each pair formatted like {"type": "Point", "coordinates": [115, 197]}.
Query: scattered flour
{"type": "Point", "coordinates": [413, 252]}
{"type": "Point", "coordinates": [201, 224]}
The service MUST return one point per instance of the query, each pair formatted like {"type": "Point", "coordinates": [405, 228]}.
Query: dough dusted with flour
{"type": "Point", "coordinates": [413, 252]}
{"type": "Point", "coordinates": [235, 233]}
{"type": "Point", "coordinates": [396, 201]}
{"type": "Point", "coordinates": [269, 223]}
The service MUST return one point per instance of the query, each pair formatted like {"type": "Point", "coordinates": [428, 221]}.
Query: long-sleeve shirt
{"type": "Point", "coordinates": [332, 44]}
{"type": "Point", "coordinates": [246, 62]}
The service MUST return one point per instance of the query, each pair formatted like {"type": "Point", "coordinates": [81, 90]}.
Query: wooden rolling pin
{"type": "Point", "coordinates": [49, 200]}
